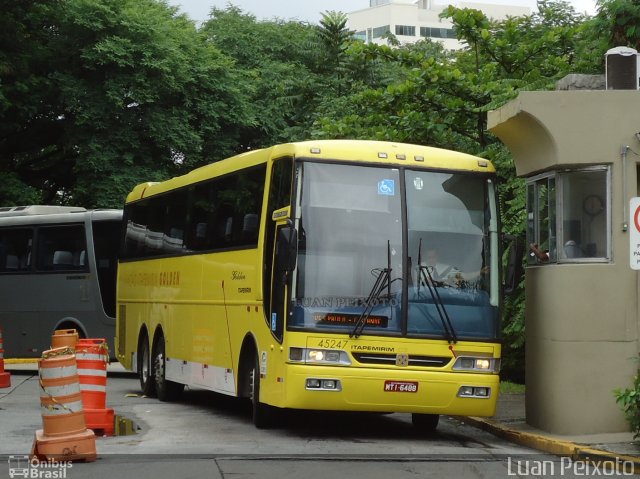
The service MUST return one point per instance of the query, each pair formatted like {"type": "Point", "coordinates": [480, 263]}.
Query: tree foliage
{"type": "Point", "coordinates": [617, 20]}
{"type": "Point", "coordinates": [99, 94]}
{"type": "Point", "coordinates": [276, 59]}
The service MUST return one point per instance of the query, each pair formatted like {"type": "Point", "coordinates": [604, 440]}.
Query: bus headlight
{"type": "Point", "coordinates": [474, 392]}
{"type": "Point", "coordinates": [478, 364]}
{"type": "Point", "coordinates": [314, 384]}
{"type": "Point", "coordinates": [319, 356]}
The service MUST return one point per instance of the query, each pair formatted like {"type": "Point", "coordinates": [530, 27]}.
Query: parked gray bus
{"type": "Point", "coordinates": [57, 271]}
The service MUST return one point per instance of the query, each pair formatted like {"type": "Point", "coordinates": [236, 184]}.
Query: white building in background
{"type": "Point", "coordinates": [414, 20]}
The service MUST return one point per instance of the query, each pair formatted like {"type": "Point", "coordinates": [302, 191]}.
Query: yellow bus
{"type": "Point", "coordinates": [323, 275]}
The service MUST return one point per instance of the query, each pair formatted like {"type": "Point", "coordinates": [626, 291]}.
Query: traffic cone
{"type": "Point", "coordinates": [92, 356]}
{"type": "Point", "coordinates": [5, 377]}
{"type": "Point", "coordinates": [64, 338]}
{"type": "Point", "coordinates": [64, 435]}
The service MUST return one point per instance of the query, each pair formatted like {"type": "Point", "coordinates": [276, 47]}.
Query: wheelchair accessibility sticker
{"type": "Point", "coordinates": [387, 187]}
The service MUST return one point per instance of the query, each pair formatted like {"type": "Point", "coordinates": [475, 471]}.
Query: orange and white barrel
{"type": "Point", "coordinates": [5, 377]}
{"type": "Point", "coordinates": [60, 398]}
{"type": "Point", "coordinates": [64, 436]}
{"type": "Point", "coordinates": [64, 338]}
{"type": "Point", "coordinates": [93, 357]}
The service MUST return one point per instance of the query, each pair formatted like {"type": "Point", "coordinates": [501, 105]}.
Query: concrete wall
{"type": "Point", "coordinates": [581, 319]}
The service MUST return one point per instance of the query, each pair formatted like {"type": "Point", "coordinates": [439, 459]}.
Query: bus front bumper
{"type": "Point", "coordinates": [383, 390]}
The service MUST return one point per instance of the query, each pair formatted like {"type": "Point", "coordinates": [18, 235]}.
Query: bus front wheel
{"type": "Point", "coordinates": [426, 423]}
{"type": "Point", "coordinates": [165, 389]}
{"type": "Point", "coordinates": [262, 413]}
{"type": "Point", "coordinates": [144, 367]}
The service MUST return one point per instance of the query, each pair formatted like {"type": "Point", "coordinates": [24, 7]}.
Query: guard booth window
{"type": "Point", "coordinates": [568, 216]}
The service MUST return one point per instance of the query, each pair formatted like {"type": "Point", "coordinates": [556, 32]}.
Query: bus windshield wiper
{"type": "Point", "coordinates": [426, 276]}
{"type": "Point", "coordinates": [382, 282]}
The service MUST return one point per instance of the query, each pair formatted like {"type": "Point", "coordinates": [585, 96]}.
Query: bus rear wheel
{"type": "Point", "coordinates": [263, 414]}
{"type": "Point", "coordinates": [144, 368]}
{"type": "Point", "coordinates": [166, 390]}
{"type": "Point", "coordinates": [426, 423]}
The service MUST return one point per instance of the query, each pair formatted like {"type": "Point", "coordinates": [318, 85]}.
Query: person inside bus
{"type": "Point", "coordinates": [439, 271]}
{"type": "Point", "coordinates": [449, 275]}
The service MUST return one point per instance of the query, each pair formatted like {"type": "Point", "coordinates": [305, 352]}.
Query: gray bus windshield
{"type": "Point", "coordinates": [351, 229]}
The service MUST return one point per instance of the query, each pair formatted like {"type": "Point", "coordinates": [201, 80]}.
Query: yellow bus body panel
{"type": "Point", "coordinates": [363, 386]}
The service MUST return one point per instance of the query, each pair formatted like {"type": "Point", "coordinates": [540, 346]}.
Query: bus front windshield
{"type": "Point", "coordinates": [401, 246]}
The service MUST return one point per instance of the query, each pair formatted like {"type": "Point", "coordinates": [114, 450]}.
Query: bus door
{"type": "Point", "coordinates": [276, 281]}
{"type": "Point", "coordinates": [284, 262]}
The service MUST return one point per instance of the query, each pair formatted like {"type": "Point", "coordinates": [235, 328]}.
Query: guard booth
{"type": "Point", "coordinates": [579, 150]}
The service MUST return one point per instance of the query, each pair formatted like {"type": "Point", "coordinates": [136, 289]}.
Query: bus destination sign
{"type": "Point", "coordinates": [345, 318]}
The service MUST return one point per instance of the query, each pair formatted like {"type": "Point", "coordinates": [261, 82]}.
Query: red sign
{"type": "Point", "coordinates": [634, 234]}
{"type": "Point", "coordinates": [401, 386]}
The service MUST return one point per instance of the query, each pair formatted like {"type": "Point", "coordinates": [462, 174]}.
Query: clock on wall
{"type": "Point", "coordinates": [593, 205]}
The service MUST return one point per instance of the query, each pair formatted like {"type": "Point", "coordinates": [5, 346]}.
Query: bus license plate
{"type": "Point", "coordinates": [401, 386]}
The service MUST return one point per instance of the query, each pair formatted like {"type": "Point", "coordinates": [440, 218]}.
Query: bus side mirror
{"type": "Point", "coordinates": [287, 249]}
{"type": "Point", "coordinates": [514, 269]}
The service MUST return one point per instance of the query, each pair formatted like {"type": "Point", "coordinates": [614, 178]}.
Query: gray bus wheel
{"type": "Point", "coordinates": [144, 368]}
{"type": "Point", "coordinates": [166, 390]}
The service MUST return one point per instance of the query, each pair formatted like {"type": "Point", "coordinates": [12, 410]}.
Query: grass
{"type": "Point", "coordinates": [509, 387]}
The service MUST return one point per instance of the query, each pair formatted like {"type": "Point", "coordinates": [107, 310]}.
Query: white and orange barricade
{"type": "Point", "coordinates": [64, 338]}
{"type": "Point", "coordinates": [64, 435]}
{"type": "Point", "coordinates": [92, 356]}
{"type": "Point", "coordinates": [5, 377]}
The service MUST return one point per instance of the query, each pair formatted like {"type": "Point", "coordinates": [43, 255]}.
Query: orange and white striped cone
{"type": "Point", "coordinates": [64, 435]}
{"type": "Point", "coordinates": [92, 356]}
{"type": "Point", "coordinates": [64, 338]}
{"type": "Point", "coordinates": [5, 377]}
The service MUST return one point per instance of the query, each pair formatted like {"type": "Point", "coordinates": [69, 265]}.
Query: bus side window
{"type": "Point", "coordinates": [15, 249]}
{"type": "Point", "coordinates": [62, 260]}
{"type": "Point", "coordinates": [250, 224]}
{"type": "Point", "coordinates": [60, 248]}
{"type": "Point", "coordinates": [12, 263]}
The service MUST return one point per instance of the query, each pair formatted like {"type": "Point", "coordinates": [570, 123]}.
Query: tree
{"type": "Point", "coordinates": [107, 94]}
{"type": "Point", "coordinates": [278, 59]}
{"type": "Point", "coordinates": [619, 22]}
{"type": "Point", "coordinates": [334, 38]}
{"type": "Point", "coordinates": [295, 66]}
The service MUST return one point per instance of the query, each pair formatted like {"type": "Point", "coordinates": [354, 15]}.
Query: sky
{"type": "Point", "coordinates": [310, 10]}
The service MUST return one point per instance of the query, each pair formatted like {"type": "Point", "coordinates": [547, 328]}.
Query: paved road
{"type": "Point", "coordinates": [209, 435]}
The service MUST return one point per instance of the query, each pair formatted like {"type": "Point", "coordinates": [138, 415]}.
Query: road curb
{"type": "Point", "coordinates": [558, 447]}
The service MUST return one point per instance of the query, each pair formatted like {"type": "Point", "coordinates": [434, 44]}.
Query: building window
{"type": "Point", "coordinates": [380, 31]}
{"type": "Point", "coordinates": [569, 216]}
{"type": "Point", "coordinates": [429, 32]}
{"type": "Point", "coordinates": [361, 35]}
{"type": "Point", "coordinates": [406, 30]}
